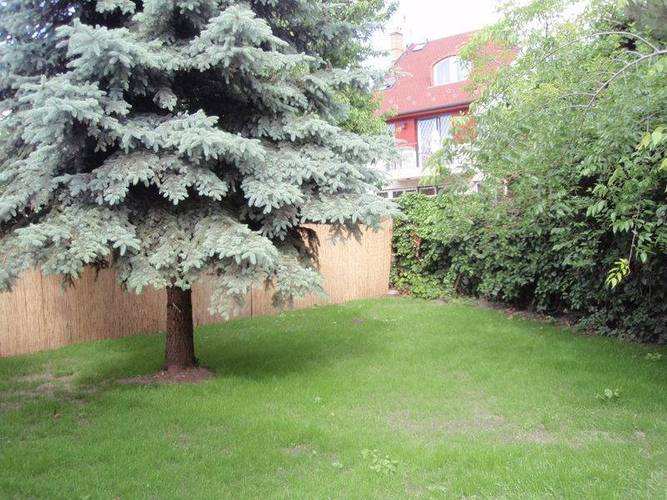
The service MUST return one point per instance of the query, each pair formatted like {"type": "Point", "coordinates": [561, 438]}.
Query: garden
{"type": "Point", "coordinates": [155, 148]}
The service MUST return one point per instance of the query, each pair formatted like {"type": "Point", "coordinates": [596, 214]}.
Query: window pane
{"type": "Point", "coordinates": [429, 138]}
{"type": "Point", "coordinates": [443, 72]}
{"type": "Point", "coordinates": [443, 125]}
{"type": "Point", "coordinates": [464, 69]}
{"type": "Point", "coordinates": [455, 70]}
{"type": "Point", "coordinates": [428, 191]}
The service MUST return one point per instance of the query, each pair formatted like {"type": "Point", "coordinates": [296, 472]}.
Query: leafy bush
{"type": "Point", "coordinates": [418, 254]}
{"type": "Point", "coordinates": [572, 142]}
{"type": "Point", "coordinates": [464, 244]}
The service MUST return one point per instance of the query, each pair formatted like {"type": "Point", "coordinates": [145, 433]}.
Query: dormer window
{"type": "Point", "coordinates": [450, 70]}
{"type": "Point", "coordinates": [389, 82]}
{"type": "Point", "coordinates": [419, 46]}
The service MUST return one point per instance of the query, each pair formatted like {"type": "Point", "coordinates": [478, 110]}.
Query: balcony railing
{"type": "Point", "coordinates": [404, 166]}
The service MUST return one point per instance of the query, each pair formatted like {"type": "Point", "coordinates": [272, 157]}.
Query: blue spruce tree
{"type": "Point", "coordinates": [182, 138]}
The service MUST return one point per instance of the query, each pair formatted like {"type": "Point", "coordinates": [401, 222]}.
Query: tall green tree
{"type": "Point", "coordinates": [176, 139]}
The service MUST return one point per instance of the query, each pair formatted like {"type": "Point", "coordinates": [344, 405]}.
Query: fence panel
{"type": "Point", "coordinates": [39, 314]}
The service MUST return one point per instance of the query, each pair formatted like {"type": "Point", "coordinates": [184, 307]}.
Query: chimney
{"type": "Point", "coordinates": [396, 44]}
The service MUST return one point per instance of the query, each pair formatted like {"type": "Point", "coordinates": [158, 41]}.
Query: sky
{"type": "Point", "coordinates": [430, 19]}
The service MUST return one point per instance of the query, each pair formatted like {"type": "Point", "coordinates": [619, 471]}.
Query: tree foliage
{"type": "Point", "coordinates": [182, 138]}
{"type": "Point", "coordinates": [572, 142]}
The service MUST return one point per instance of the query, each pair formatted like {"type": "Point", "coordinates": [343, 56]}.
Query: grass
{"type": "Point", "coordinates": [392, 398]}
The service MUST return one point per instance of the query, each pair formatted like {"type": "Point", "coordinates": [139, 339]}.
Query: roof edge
{"type": "Point", "coordinates": [418, 111]}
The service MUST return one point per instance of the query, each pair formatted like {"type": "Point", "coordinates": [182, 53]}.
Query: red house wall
{"type": "Point", "coordinates": [405, 131]}
{"type": "Point", "coordinates": [406, 125]}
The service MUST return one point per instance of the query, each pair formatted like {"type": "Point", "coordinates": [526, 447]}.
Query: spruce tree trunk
{"type": "Point", "coordinates": [180, 349]}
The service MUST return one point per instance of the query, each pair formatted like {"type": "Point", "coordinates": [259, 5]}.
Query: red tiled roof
{"type": "Point", "coordinates": [414, 91]}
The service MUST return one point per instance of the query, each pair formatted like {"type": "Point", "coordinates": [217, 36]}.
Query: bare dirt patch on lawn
{"type": "Point", "coordinates": [299, 450]}
{"type": "Point", "coordinates": [46, 384]}
{"type": "Point", "coordinates": [181, 377]}
{"type": "Point", "coordinates": [538, 435]}
{"type": "Point", "coordinates": [511, 312]}
{"type": "Point", "coordinates": [480, 421]}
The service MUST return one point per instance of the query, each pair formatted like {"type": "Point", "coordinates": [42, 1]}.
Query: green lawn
{"type": "Point", "coordinates": [457, 401]}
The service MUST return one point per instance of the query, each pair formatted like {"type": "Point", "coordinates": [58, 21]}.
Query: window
{"type": "Point", "coordinates": [391, 127]}
{"type": "Point", "coordinates": [431, 133]}
{"type": "Point", "coordinates": [394, 194]}
{"type": "Point", "coordinates": [449, 70]}
{"type": "Point", "coordinates": [427, 190]}
{"type": "Point", "coordinates": [419, 46]}
{"type": "Point", "coordinates": [389, 82]}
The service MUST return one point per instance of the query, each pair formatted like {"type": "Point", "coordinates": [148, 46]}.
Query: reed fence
{"type": "Point", "coordinates": [39, 314]}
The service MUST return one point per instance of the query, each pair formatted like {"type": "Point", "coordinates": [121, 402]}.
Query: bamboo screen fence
{"type": "Point", "coordinates": [39, 314]}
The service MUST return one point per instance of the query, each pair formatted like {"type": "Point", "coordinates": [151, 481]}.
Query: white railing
{"type": "Point", "coordinates": [405, 166]}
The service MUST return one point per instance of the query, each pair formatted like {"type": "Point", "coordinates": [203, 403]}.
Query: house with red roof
{"type": "Point", "coordinates": [428, 89]}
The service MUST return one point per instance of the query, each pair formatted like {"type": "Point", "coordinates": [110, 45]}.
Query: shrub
{"type": "Point", "coordinates": [418, 254]}
{"type": "Point", "coordinates": [466, 245]}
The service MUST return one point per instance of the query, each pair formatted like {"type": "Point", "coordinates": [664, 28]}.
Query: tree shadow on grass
{"type": "Point", "coordinates": [254, 358]}
{"type": "Point", "coordinates": [250, 350]}
{"type": "Point", "coordinates": [280, 355]}
{"type": "Point", "coordinates": [240, 352]}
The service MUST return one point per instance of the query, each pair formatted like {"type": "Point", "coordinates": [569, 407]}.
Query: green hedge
{"type": "Point", "coordinates": [464, 244]}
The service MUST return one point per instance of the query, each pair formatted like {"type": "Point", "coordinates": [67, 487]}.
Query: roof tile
{"type": "Point", "coordinates": [414, 91]}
